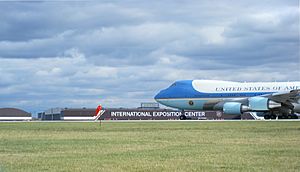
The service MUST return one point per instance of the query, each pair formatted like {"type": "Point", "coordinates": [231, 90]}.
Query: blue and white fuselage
{"type": "Point", "coordinates": [232, 97]}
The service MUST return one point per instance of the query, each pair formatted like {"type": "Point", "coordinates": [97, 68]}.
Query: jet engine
{"type": "Point", "coordinates": [297, 107]}
{"type": "Point", "coordinates": [262, 104]}
{"type": "Point", "coordinates": [234, 108]}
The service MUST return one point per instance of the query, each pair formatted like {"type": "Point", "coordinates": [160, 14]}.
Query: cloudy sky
{"type": "Point", "coordinates": [120, 53]}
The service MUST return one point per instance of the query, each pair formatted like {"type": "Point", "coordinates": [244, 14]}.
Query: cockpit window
{"type": "Point", "coordinates": [174, 84]}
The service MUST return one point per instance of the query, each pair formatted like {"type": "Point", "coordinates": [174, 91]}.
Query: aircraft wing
{"type": "Point", "coordinates": [287, 97]}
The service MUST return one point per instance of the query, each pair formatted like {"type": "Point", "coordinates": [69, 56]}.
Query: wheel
{"type": "Point", "coordinates": [283, 117]}
{"type": "Point", "coordinates": [182, 117]}
{"type": "Point", "coordinates": [273, 116]}
{"type": "Point", "coordinates": [267, 116]}
{"type": "Point", "coordinates": [289, 116]}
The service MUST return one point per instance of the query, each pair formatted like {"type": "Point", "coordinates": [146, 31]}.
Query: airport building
{"type": "Point", "coordinates": [50, 114]}
{"type": "Point", "coordinates": [14, 114]}
{"type": "Point", "coordinates": [141, 113]}
{"type": "Point", "coordinates": [147, 111]}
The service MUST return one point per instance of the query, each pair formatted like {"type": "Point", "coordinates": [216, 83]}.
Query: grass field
{"type": "Point", "coordinates": [150, 146]}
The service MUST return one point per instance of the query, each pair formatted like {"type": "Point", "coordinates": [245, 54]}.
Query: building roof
{"type": "Point", "coordinates": [13, 112]}
{"type": "Point", "coordinates": [79, 112]}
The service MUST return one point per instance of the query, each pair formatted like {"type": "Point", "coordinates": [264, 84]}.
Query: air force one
{"type": "Point", "coordinates": [268, 100]}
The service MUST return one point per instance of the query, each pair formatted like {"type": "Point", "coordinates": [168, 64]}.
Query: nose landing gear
{"type": "Point", "coordinates": [182, 117]}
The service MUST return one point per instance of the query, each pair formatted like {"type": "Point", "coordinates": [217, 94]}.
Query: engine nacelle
{"type": "Point", "coordinates": [297, 108]}
{"type": "Point", "coordinates": [234, 108]}
{"type": "Point", "coordinates": [262, 104]}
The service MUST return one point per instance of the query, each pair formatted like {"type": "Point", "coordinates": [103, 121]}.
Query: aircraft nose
{"type": "Point", "coordinates": [159, 95]}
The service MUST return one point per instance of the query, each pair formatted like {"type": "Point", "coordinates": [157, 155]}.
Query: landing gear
{"type": "Point", "coordinates": [292, 116]}
{"type": "Point", "coordinates": [270, 116]}
{"type": "Point", "coordinates": [273, 116]}
{"type": "Point", "coordinates": [280, 116]}
{"type": "Point", "coordinates": [283, 116]}
{"type": "Point", "coordinates": [267, 116]}
{"type": "Point", "coordinates": [182, 117]}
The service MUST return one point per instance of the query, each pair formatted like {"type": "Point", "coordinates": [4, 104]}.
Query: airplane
{"type": "Point", "coordinates": [263, 100]}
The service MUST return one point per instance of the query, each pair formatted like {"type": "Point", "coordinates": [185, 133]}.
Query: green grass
{"type": "Point", "coordinates": [150, 146]}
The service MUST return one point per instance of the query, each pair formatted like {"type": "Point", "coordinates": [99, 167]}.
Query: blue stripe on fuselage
{"type": "Point", "coordinates": [184, 89]}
